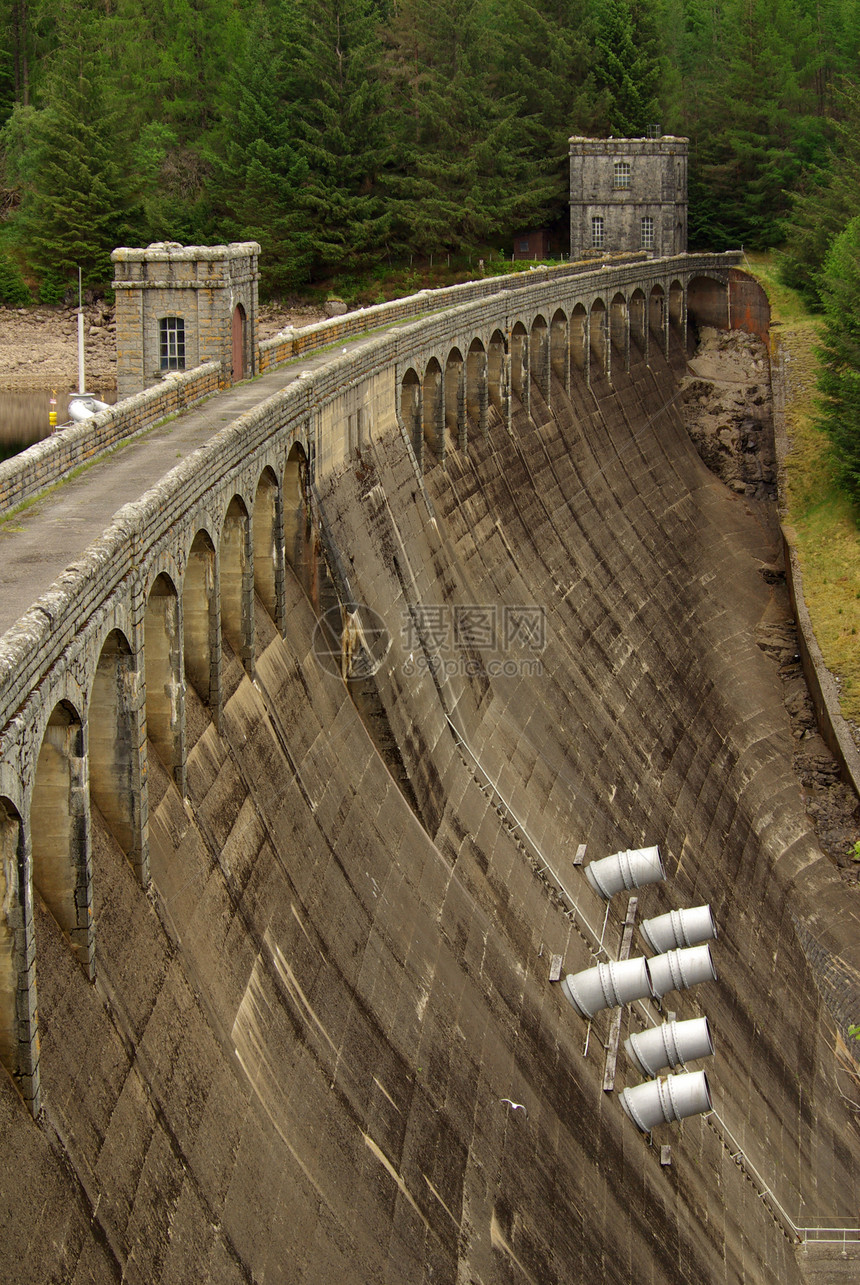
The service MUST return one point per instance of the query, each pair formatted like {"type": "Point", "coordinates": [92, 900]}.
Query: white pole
{"type": "Point", "coordinates": [81, 384]}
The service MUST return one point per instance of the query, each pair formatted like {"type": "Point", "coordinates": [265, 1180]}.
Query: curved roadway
{"type": "Point", "coordinates": [40, 540]}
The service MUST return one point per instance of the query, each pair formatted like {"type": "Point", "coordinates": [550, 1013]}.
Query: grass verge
{"type": "Point", "coordinates": [821, 520]}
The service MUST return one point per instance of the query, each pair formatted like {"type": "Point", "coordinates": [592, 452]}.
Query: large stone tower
{"type": "Point", "coordinates": [628, 194]}
{"type": "Point", "coordinates": [179, 306]}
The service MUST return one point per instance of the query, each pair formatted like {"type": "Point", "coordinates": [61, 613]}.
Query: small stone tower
{"type": "Point", "coordinates": [178, 306]}
{"type": "Point", "coordinates": [628, 194]}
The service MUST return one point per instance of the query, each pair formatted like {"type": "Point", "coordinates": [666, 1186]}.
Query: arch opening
{"type": "Point", "coordinates": [496, 381]}
{"type": "Point", "coordinates": [597, 337]}
{"type": "Point", "coordinates": [519, 360]}
{"type": "Point", "coordinates": [476, 384]}
{"type": "Point", "coordinates": [560, 347]}
{"type": "Point", "coordinates": [618, 323]}
{"type": "Point", "coordinates": [299, 542]}
{"type": "Point", "coordinates": [433, 425]}
{"type": "Point", "coordinates": [266, 544]}
{"type": "Point", "coordinates": [657, 311]}
{"type": "Point", "coordinates": [12, 890]}
{"type": "Point", "coordinates": [410, 407]}
{"type": "Point", "coordinates": [59, 832]}
{"type": "Point", "coordinates": [708, 302]}
{"type": "Point", "coordinates": [200, 620]}
{"type": "Point", "coordinates": [539, 355]}
{"type": "Point", "coordinates": [579, 337]}
{"type": "Point", "coordinates": [638, 328]}
{"type": "Point", "coordinates": [163, 670]}
{"type": "Point", "coordinates": [454, 398]}
{"type": "Point", "coordinates": [113, 742]}
{"type": "Point", "coordinates": [237, 610]}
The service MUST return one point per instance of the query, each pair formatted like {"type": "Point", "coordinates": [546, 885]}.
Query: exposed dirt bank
{"type": "Point", "coordinates": [39, 346]}
{"type": "Point", "coordinates": [729, 415]}
{"type": "Point", "coordinates": [727, 409]}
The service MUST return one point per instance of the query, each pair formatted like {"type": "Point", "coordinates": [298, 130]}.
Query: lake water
{"type": "Point", "coordinates": [24, 416]}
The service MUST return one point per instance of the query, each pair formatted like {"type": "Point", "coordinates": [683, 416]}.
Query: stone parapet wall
{"type": "Point", "coordinates": [47, 462]}
{"type": "Point", "coordinates": [293, 343]}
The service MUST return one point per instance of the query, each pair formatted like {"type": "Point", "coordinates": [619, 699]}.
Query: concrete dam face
{"type": "Point", "coordinates": [324, 1046]}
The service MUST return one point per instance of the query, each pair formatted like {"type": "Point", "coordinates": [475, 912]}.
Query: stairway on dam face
{"type": "Point", "coordinates": [326, 1049]}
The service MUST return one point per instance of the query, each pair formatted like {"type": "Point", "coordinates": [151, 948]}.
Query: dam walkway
{"type": "Point", "coordinates": [44, 537]}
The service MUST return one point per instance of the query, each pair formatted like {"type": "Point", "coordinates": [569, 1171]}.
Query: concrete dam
{"type": "Point", "coordinates": [285, 902]}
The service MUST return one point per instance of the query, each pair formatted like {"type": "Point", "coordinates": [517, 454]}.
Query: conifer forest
{"type": "Point", "coordinates": [346, 133]}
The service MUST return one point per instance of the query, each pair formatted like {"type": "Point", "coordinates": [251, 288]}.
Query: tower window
{"type": "Point", "coordinates": [172, 343]}
{"type": "Point", "coordinates": [647, 233]}
{"type": "Point", "coordinates": [621, 174]}
{"type": "Point", "coordinates": [597, 232]}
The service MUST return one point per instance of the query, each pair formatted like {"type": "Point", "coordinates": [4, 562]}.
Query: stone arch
{"type": "Point", "coordinates": [657, 311]}
{"type": "Point", "coordinates": [162, 656]}
{"type": "Point", "coordinates": [497, 373]}
{"type": "Point", "coordinates": [17, 978]}
{"type": "Point", "coordinates": [559, 345]}
{"type": "Point", "coordinates": [676, 304]}
{"type": "Point", "coordinates": [433, 426]}
{"type": "Point", "coordinates": [619, 333]}
{"type": "Point", "coordinates": [235, 566]}
{"type": "Point", "coordinates": [59, 832]}
{"type": "Point", "coordinates": [476, 384]}
{"type": "Point", "coordinates": [520, 363]}
{"type": "Point", "coordinates": [411, 408]}
{"type": "Point", "coordinates": [298, 530]}
{"type": "Point", "coordinates": [114, 746]}
{"type": "Point", "coordinates": [455, 398]}
{"type": "Point", "coordinates": [200, 624]}
{"type": "Point", "coordinates": [708, 302]}
{"type": "Point", "coordinates": [618, 321]}
{"type": "Point", "coordinates": [638, 321]}
{"type": "Point", "coordinates": [539, 355]}
{"type": "Point", "coordinates": [597, 345]}
{"type": "Point", "coordinates": [268, 546]}
{"type": "Point", "coordinates": [579, 346]}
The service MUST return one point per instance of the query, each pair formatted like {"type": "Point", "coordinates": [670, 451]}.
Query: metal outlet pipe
{"type": "Point", "coordinates": [629, 869]}
{"type": "Point", "coordinates": [671, 1044]}
{"type": "Point", "coordinates": [606, 985]}
{"type": "Point", "coordinates": [679, 969]}
{"type": "Point", "coordinates": [679, 928]}
{"type": "Point", "coordinates": [671, 1097]}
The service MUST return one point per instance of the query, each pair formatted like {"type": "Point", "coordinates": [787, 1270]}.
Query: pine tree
{"type": "Point", "coordinates": [256, 179]}
{"type": "Point", "coordinates": [307, 137]}
{"type": "Point", "coordinates": [339, 112]}
{"type": "Point", "coordinates": [839, 380]}
{"type": "Point", "coordinates": [465, 171]}
{"type": "Point", "coordinates": [627, 64]}
{"type": "Point", "coordinates": [825, 202]}
{"type": "Point", "coordinates": [543, 60]}
{"type": "Point", "coordinates": [76, 196]}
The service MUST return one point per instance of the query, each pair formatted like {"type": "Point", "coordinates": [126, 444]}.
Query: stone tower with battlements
{"type": "Point", "coordinates": [628, 194]}
{"type": "Point", "coordinates": [180, 306]}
